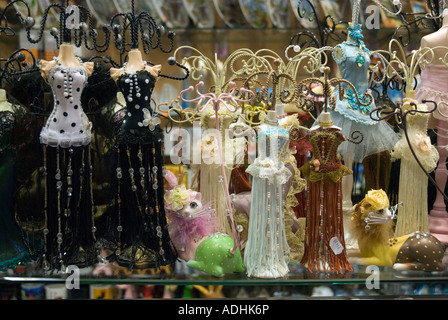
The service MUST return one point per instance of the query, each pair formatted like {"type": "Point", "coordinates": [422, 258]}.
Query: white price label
{"type": "Point", "coordinates": [336, 245]}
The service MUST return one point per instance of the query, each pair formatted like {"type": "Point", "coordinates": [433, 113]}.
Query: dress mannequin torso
{"type": "Point", "coordinates": [324, 220]}
{"type": "Point", "coordinates": [353, 61]}
{"type": "Point", "coordinates": [141, 238]}
{"type": "Point", "coordinates": [438, 38]}
{"type": "Point", "coordinates": [267, 251]}
{"type": "Point", "coordinates": [65, 139]}
{"type": "Point", "coordinates": [136, 75]}
{"type": "Point", "coordinates": [67, 125]}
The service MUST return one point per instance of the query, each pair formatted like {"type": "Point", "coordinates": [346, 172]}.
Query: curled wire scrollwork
{"type": "Point", "coordinates": [177, 114]}
{"type": "Point", "coordinates": [16, 64]}
{"type": "Point", "coordinates": [356, 137]}
{"type": "Point", "coordinates": [425, 19]}
{"type": "Point", "coordinates": [332, 89]}
{"type": "Point", "coordinates": [4, 28]}
{"type": "Point", "coordinates": [326, 29]}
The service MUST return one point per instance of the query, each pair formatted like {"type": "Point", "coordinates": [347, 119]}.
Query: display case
{"type": "Point", "coordinates": [259, 25]}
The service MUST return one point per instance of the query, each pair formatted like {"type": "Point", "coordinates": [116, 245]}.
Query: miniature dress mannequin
{"type": "Point", "coordinates": [69, 233]}
{"type": "Point", "coordinates": [353, 60]}
{"type": "Point", "coordinates": [413, 183]}
{"type": "Point", "coordinates": [210, 169]}
{"type": "Point", "coordinates": [433, 87]}
{"type": "Point", "coordinates": [266, 254]}
{"type": "Point", "coordinates": [13, 251]}
{"type": "Point", "coordinates": [140, 225]}
{"type": "Point", "coordinates": [324, 234]}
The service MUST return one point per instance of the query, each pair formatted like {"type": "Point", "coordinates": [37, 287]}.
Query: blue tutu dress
{"type": "Point", "coordinates": [348, 114]}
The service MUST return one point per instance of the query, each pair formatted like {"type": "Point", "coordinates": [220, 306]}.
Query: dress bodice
{"type": "Point", "coordinates": [434, 87]}
{"type": "Point", "coordinates": [6, 129]}
{"type": "Point", "coordinates": [353, 64]}
{"type": "Point", "coordinates": [272, 142]}
{"type": "Point", "coordinates": [435, 78]}
{"type": "Point", "coordinates": [272, 152]}
{"type": "Point", "coordinates": [137, 88]}
{"type": "Point", "coordinates": [325, 143]}
{"type": "Point", "coordinates": [416, 127]}
{"type": "Point", "coordinates": [67, 124]}
{"type": "Point", "coordinates": [418, 121]}
{"type": "Point", "coordinates": [326, 162]}
{"type": "Point", "coordinates": [349, 64]}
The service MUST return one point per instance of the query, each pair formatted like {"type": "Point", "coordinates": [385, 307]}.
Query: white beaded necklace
{"type": "Point", "coordinates": [68, 79]}
{"type": "Point", "coordinates": [133, 82]}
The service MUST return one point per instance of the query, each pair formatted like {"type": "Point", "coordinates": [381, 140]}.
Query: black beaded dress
{"type": "Point", "coordinates": [139, 223]}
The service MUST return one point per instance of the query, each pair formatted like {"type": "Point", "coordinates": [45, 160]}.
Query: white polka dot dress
{"type": "Point", "coordinates": [67, 124]}
{"type": "Point", "coordinates": [69, 231]}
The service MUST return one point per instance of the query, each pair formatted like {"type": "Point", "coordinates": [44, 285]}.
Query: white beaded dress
{"type": "Point", "coordinates": [413, 183]}
{"type": "Point", "coordinates": [266, 254]}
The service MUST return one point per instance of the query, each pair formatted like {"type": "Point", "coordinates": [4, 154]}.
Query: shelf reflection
{"type": "Point", "coordinates": [169, 276]}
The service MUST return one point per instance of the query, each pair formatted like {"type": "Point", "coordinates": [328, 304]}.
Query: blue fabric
{"type": "Point", "coordinates": [348, 114]}
{"type": "Point", "coordinates": [356, 74]}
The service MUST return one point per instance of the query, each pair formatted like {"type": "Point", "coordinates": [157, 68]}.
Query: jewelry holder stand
{"type": "Point", "coordinates": [215, 74]}
{"type": "Point", "coordinates": [404, 67]}
{"type": "Point", "coordinates": [255, 70]}
{"type": "Point", "coordinates": [229, 101]}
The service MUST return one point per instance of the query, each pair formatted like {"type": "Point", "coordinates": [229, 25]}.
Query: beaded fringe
{"type": "Point", "coordinates": [323, 222]}
{"type": "Point", "coordinates": [69, 228]}
{"type": "Point", "coordinates": [412, 192]}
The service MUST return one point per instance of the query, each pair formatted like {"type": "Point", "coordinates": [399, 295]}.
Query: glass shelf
{"type": "Point", "coordinates": [297, 277]}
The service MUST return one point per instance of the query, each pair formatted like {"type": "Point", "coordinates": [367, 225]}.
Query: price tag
{"type": "Point", "coordinates": [336, 246]}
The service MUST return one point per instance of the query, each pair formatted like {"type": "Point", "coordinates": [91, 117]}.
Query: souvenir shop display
{"type": "Point", "coordinates": [233, 165]}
